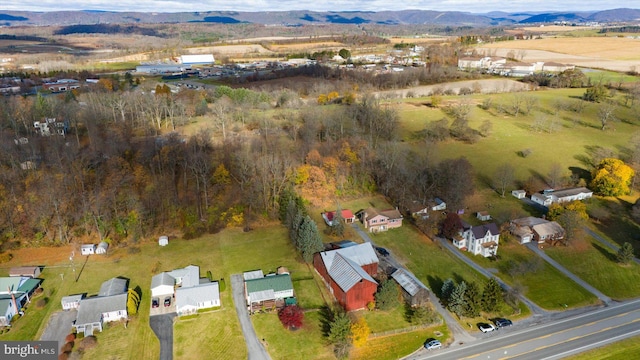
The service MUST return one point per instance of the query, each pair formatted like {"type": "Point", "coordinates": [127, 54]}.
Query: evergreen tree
{"type": "Point", "coordinates": [339, 328]}
{"type": "Point", "coordinates": [308, 239]}
{"type": "Point", "coordinates": [445, 293]}
{"type": "Point", "coordinates": [337, 224]}
{"type": "Point", "coordinates": [457, 300]}
{"type": "Point", "coordinates": [473, 300]}
{"type": "Point", "coordinates": [625, 253]}
{"type": "Point", "coordinates": [491, 295]}
{"type": "Point", "coordinates": [387, 295]}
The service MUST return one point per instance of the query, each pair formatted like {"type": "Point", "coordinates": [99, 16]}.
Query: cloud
{"type": "Point", "coordinates": [314, 5]}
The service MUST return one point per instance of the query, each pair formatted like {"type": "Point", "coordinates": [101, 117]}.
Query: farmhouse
{"type": "Point", "coordinates": [347, 216]}
{"type": "Point", "coordinates": [348, 273]}
{"type": "Point", "coordinates": [268, 292]}
{"type": "Point", "coordinates": [479, 240]}
{"type": "Point", "coordinates": [531, 228]}
{"type": "Point", "coordinates": [383, 220]}
{"type": "Point", "coordinates": [548, 197]}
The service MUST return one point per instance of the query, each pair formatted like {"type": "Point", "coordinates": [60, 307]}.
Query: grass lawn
{"type": "Point", "coordinates": [596, 264]}
{"type": "Point", "coordinates": [547, 287]}
{"type": "Point", "coordinates": [624, 349]}
{"type": "Point", "coordinates": [380, 321]}
{"type": "Point", "coordinates": [398, 346]}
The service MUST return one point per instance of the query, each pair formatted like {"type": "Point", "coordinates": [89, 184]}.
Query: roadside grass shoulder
{"type": "Point", "coordinates": [398, 346]}
{"type": "Point", "coordinates": [624, 349]}
{"type": "Point", "coordinates": [596, 264]}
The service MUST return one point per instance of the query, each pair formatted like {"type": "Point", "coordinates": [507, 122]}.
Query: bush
{"type": "Point", "coordinates": [524, 153]}
{"type": "Point", "coordinates": [70, 338]}
{"type": "Point", "coordinates": [67, 347]}
{"type": "Point", "coordinates": [42, 302]}
{"type": "Point", "coordinates": [291, 317]}
{"type": "Point", "coordinates": [5, 257]}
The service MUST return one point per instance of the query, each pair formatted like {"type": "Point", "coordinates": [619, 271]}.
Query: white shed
{"type": "Point", "coordinates": [519, 194]}
{"type": "Point", "coordinates": [163, 241]}
{"type": "Point", "coordinates": [88, 249]}
{"type": "Point", "coordinates": [102, 247]}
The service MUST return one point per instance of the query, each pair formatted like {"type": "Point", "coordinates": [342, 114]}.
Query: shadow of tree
{"type": "Point", "coordinates": [605, 252]}
{"type": "Point", "coordinates": [435, 284]}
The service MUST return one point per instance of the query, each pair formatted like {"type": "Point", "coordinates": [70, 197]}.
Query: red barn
{"type": "Point", "coordinates": [348, 273]}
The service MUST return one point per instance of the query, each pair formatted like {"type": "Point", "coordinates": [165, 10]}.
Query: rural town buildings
{"type": "Point", "coordinates": [380, 220]}
{"type": "Point", "coordinates": [540, 230]}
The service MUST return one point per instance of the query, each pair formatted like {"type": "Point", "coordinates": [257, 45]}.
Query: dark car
{"type": "Point", "coordinates": [155, 302]}
{"type": "Point", "coordinates": [500, 323]}
{"type": "Point", "coordinates": [167, 301]}
{"type": "Point", "coordinates": [382, 251]}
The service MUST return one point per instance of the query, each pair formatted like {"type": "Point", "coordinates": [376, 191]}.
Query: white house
{"type": "Point", "coordinates": [186, 277]}
{"type": "Point", "coordinates": [71, 301]}
{"type": "Point", "coordinates": [479, 240]}
{"type": "Point", "coordinates": [7, 311]}
{"type": "Point", "coordinates": [93, 312]}
{"type": "Point", "coordinates": [88, 249]}
{"type": "Point", "coordinates": [204, 296]}
{"type": "Point", "coordinates": [162, 285]}
{"type": "Point", "coordinates": [549, 197]}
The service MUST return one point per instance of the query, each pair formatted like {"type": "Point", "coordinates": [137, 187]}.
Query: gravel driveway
{"type": "Point", "coordinates": [254, 347]}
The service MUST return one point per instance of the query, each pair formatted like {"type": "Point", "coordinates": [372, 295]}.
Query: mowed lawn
{"type": "Point", "coordinates": [546, 287]}
{"type": "Point", "coordinates": [624, 349]}
{"type": "Point", "coordinates": [596, 264]}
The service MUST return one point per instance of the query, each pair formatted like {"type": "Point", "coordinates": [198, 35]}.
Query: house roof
{"type": "Point", "coordinates": [162, 279]}
{"type": "Point", "coordinates": [191, 296]}
{"type": "Point", "coordinates": [529, 221]}
{"type": "Point", "coordinates": [11, 284]}
{"type": "Point", "coordinates": [344, 243]}
{"type": "Point", "coordinates": [481, 230]}
{"type": "Point", "coordinates": [29, 285]}
{"type": "Point", "coordinates": [263, 295]}
{"type": "Point", "coordinates": [361, 254]}
{"type": "Point", "coordinates": [389, 213]}
{"type": "Point", "coordinates": [113, 286]}
{"type": "Point", "coordinates": [347, 273]}
{"type": "Point", "coordinates": [571, 192]}
{"type": "Point", "coordinates": [103, 245]}
{"type": "Point", "coordinates": [72, 298]}
{"type": "Point", "coordinates": [548, 228]}
{"type": "Point", "coordinates": [255, 274]}
{"type": "Point", "coordinates": [188, 276]}
{"type": "Point", "coordinates": [91, 309]}
{"type": "Point", "coordinates": [88, 246]}
{"type": "Point", "coordinates": [409, 283]}
{"type": "Point", "coordinates": [489, 244]}
{"type": "Point", "coordinates": [346, 214]}
{"type": "Point", "coordinates": [24, 271]}
{"type": "Point", "coordinates": [279, 282]}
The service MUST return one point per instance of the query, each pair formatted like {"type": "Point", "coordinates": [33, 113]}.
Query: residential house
{"type": "Point", "coordinates": [519, 194]}
{"type": "Point", "coordinates": [25, 271]}
{"type": "Point", "coordinates": [418, 209]}
{"type": "Point", "coordinates": [93, 312]}
{"type": "Point", "coordinates": [548, 197]}
{"type": "Point", "coordinates": [8, 310]}
{"type": "Point", "coordinates": [348, 274]}
{"type": "Point", "coordinates": [71, 301]}
{"type": "Point", "coordinates": [162, 285]}
{"type": "Point", "coordinates": [413, 290]}
{"type": "Point", "coordinates": [268, 292]}
{"type": "Point", "coordinates": [383, 220]}
{"type": "Point", "coordinates": [188, 276]}
{"type": "Point", "coordinates": [531, 228]}
{"type": "Point", "coordinates": [88, 249]}
{"type": "Point", "coordinates": [347, 215]}
{"type": "Point", "coordinates": [20, 288]}
{"type": "Point", "coordinates": [483, 215]}
{"type": "Point", "coordinates": [191, 299]}
{"type": "Point", "coordinates": [114, 286]}
{"type": "Point", "coordinates": [479, 240]}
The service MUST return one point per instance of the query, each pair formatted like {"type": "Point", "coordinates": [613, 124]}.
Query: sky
{"type": "Point", "coordinates": [475, 6]}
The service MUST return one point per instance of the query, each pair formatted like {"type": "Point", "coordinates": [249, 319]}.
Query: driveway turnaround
{"type": "Point", "coordinates": [254, 347]}
{"type": "Point", "coordinates": [162, 326]}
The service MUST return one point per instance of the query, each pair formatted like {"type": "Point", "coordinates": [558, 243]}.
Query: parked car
{"type": "Point", "coordinates": [485, 328]}
{"type": "Point", "coordinates": [432, 344]}
{"type": "Point", "coordinates": [383, 251]}
{"type": "Point", "coordinates": [500, 322]}
{"type": "Point", "coordinates": [167, 301]}
{"type": "Point", "coordinates": [155, 302]}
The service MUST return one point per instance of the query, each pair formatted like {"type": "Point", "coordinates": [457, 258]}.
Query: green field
{"type": "Point", "coordinates": [625, 349]}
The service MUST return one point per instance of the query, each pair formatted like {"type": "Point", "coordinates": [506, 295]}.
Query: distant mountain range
{"type": "Point", "coordinates": [293, 18]}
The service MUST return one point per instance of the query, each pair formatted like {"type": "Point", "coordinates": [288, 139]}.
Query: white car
{"type": "Point", "coordinates": [485, 328]}
{"type": "Point", "coordinates": [432, 344]}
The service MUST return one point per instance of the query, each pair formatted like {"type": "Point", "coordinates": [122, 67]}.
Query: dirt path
{"type": "Point", "coordinates": [487, 86]}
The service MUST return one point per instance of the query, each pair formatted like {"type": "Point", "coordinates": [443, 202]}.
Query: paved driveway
{"type": "Point", "coordinates": [254, 347]}
{"type": "Point", "coordinates": [59, 326]}
{"type": "Point", "coordinates": [162, 326]}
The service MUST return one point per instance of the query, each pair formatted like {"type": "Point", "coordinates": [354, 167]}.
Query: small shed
{"type": "Point", "coordinates": [102, 247]}
{"type": "Point", "coordinates": [163, 241]}
{"type": "Point", "coordinates": [71, 301]}
{"type": "Point", "coordinates": [88, 249]}
{"type": "Point", "coordinates": [413, 291]}
{"type": "Point", "coordinates": [483, 216]}
{"type": "Point", "coordinates": [25, 271]}
{"type": "Point", "coordinates": [519, 194]}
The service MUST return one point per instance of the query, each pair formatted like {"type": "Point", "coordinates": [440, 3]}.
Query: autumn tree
{"type": "Point", "coordinates": [451, 225]}
{"type": "Point", "coordinates": [291, 316]}
{"type": "Point", "coordinates": [612, 177]}
{"type": "Point", "coordinates": [360, 332]}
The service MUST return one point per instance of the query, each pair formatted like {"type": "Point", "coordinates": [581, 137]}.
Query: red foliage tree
{"type": "Point", "coordinates": [291, 316]}
{"type": "Point", "coordinates": [451, 225]}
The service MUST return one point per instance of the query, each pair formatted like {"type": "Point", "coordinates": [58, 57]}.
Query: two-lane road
{"type": "Point", "coordinates": [552, 340]}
